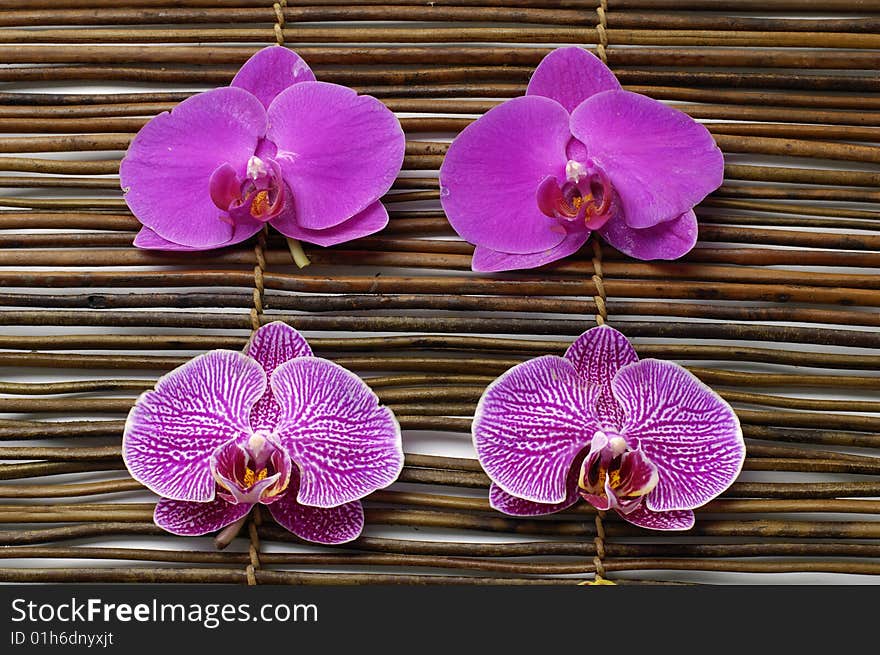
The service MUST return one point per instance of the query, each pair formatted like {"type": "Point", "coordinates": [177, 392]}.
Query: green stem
{"type": "Point", "coordinates": [299, 256]}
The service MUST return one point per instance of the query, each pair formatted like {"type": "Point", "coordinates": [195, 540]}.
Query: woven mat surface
{"type": "Point", "coordinates": [776, 307]}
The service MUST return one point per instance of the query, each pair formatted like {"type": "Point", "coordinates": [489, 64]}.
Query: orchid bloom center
{"type": "Point", "coordinates": [585, 195]}
{"type": "Point", "coordinates": [250, 470]}
{"type": "Point", "coordinates": [615, 474]}
{"type": "Point", "coordinates": [259, 196]}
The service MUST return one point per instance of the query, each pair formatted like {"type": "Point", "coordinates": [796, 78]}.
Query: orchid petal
{"type": "Point", "coordinates": [147, 239]}
{"type": "Point", "coordinates": [673, 520]}
{"type": "Point", "coordinates": [167, 171]}
{"type": "Point", "coordinates": [660, 160]}
{"type": "Point", "coordinates": [272, 345]}
{"type": "Point", "coordinates": [571, 75]}
{"type": "Point", "coordinates": [530, 425]}
{"type": "Point", "coordinates": [271, 70]}
{"type": "Point", "coordinates": [196, 519]}
{"type": "Point", "coordinates": [172, 431]}
{"type": "Point", "coordinates": [369, 221]}
{"type": "Point", "coordinates": [491, 173]}
{"type": "Point", "coordinates": [513, 506]}
{"type": "Point", "coordinates": [224, 186]}
{"type": "Point", "coordinates": [340, 152]}
{"type": "Point", "coordinates": [322, 525]}
{"type": "Point", "coordinates": [666, 240]}
{"type": "Point", "coordinates": [486, 260]}
{"type": "Point", "coordinates": [276, 343]}
{"type": "Point", "coordinates": [597, 355]}
{"type": "Point", "coordinates": [690, 433]}
{"type": "Point", "coordinates": [345, 444]}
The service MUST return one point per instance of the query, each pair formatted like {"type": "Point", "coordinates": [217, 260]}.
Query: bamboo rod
{"type": "Point", "coordinates": [473, 479]}
{"type": "Point", "coordinates": [629, 77]}
{"type": "Point", "coordinates": [812, 404]}
{"type": "Point", "coordinates": [67, 143]}
{"type": "Point", "coordinates": [812, 436]}
{"type": "Point", "coordinates": [690, 20]}
{"type": "Point", "coordinates": [70, 490]}
{"type": "Point", "coordinates": [797, 148]}
{"type": "Point", "coordinates": [325, 57]}
{"type": "Point", "coordinates": [431, 562]}
{"type": "Point", "coordinates": [508, 14]}
{"type": "Point", "coordinates": [385, 250]}
{"type": "Point", "coordinates": [152, 575]}
{"type": "Point", "coordinates": [395, 34]}
{"type": "Point", "coordinates": [797, 101]}
{"type": "Point", "coordinates": [61, 166]}
{"type": "Point", "coordinates": [408, 34]}
{"type": "Point", "coordinates": [349, 303]}
{"type": "Point", "coordinates": [265, 14]}
{"type": "Point", "coordinates": [402, 224]}
{"type": "Point", "coordinates": [801, 175]}
{"type": "Point", "coordinates": [433, 162]}
{"type": "Point", "coordinates": [789, 208]}
{"type": "Point", "coordinates": [428, 342]}
{"type": "Point", "coordinates": [425, 284]}
{"type": "Point", "coordinates": [500, 523]}
{"type": "Point", "coordinates": [143, 512]}
{"type": "Point", "coordinates": [734, 566]}
{"type": "Point", "coordinates": [735, 137]}
{"type": "Point", "coordinates": [785, 106]}
{"type": "Point", "coordinates": [714, 528]}
{"type": "Point", "coordinates": [567, 327]}
{"type": "Point", "coordinates": [452, 392]}
{"type": "Point", "coordinates": [836, 6]}
{"type": "Point", "coordinates": [498, 81]}
{"type": "Point", "coordinates": [579, 548]}
{"type": "Point", "coordinates": [158, 363]}
{"type": "Point", "coordinates": [39, 469]}
{"type": "Point", "coordinates": [698, 272]}
{"type": "Point", "coordinates": [121, 117]}
{"type": "Point", "coordinates": [80, 386]}
{"type": "Point", "coordinates": [458, 478]}
{"type": "Point", "coordinates": [433, 554]}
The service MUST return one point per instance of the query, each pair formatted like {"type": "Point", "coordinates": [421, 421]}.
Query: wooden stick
{"type": "Point", "coordinates": [836, 6]}
{"type": "Point", "coordinates": [428, 284]}
{"type": "Point", "coordinates": [279, 301]}
{"type": "Point", "coordinates": [510, 14]}
{"type": "Point", "coordinates": [395, 34]}
{"type": "Point", "coordinates": [323, 34]}
{"type": "Point", "coordinates": [641, 271]}
{"type": "Point", "coordinates": [265, 14]}
{"type": "Point", "coordinates": [115, 117]}
{"type": "Point", "coordinates": [381, 559]}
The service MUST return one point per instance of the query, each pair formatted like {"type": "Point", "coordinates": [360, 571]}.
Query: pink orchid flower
{"type": "Point", "coordinates": [531, 180]}
{"type": "Point", "coordinates": [309, 158]}
{"type": "Point", "coordinates": [274, 426]}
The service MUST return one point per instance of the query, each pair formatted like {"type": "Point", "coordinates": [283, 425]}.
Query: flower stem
{"type": "Point", "coordinates": [230, 532]}
{"type": "Point", "coordinates": [299, 256]}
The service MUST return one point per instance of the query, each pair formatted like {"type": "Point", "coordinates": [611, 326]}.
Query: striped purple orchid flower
{"type": "Point", "coordinates": [644, 438]}
{"type": "Point", "coordinates": [528, 182]}
{"type": "Point", "coordinates": [273, 426]}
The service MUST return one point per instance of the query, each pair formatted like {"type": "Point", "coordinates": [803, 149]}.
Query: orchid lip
{"type": "Point", "coordinates": [251, 469]}
{"type": "Point", "coordinates": [585, 196]}
{"type": "Point", "coordinates": [260, 196]}
{"type": "Point", "coordinates": [615, 474]}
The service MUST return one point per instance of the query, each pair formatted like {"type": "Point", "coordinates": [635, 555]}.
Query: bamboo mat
{"type": "Point", "coordinates": [776, 307]}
